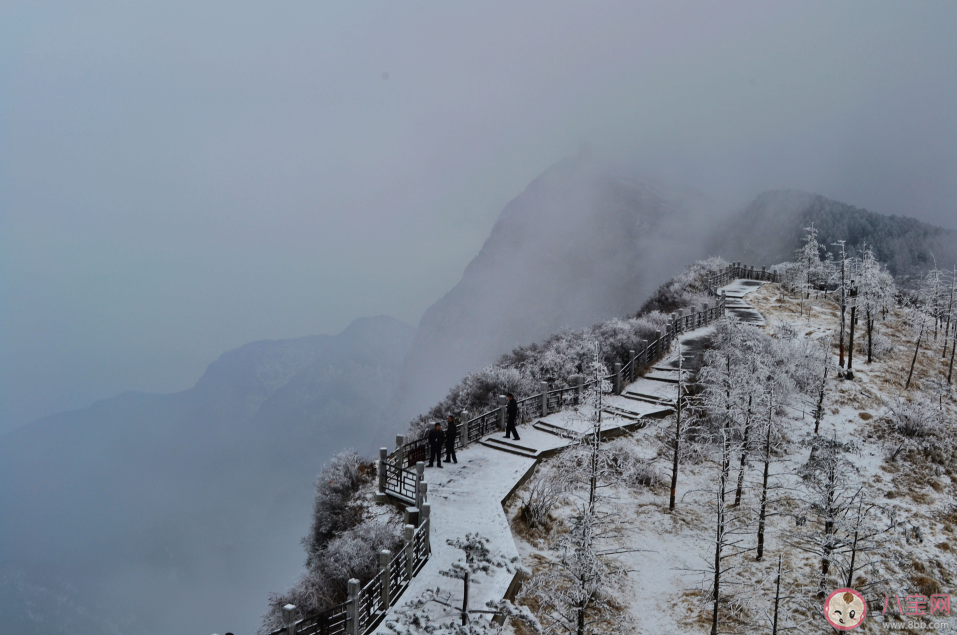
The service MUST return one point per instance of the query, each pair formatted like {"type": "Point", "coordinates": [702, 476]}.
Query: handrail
{"type": "Point", "coordinates": [367, 606]}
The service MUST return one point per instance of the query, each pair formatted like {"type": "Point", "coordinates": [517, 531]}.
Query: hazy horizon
{"type": "Point", "coordinates": [179, 180]}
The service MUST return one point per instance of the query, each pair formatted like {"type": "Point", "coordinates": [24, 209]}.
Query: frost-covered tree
{"type": "Point", "coordinates": [875, 291]}
{"type": "Point", "coordinates": [572, 592]}
{"type": "Point", "coordinates": [832, 498]}
{"type": "Point", "coordinates": [917, 321]}
{"type": "Point", "coordinates": [949, 314]}
{"type": "Point", "coordinates": [842, 288]}
{"type": "Point", "coordinates": [477, 558]}
{"type": "Point", "coordinates": [812, 267]}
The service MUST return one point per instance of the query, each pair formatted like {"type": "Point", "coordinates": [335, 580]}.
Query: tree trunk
{"type": "Point", "coordinates": [850, 348]}
{"type": "Point", "coordinates": [850, 571]}
{"type": "Point", "coordinates": [465, 600]}
{"type": "Point", "coordinates": [950, 310]}
{"type": "Point", "coordinates": [828, 546]}
{"type": "Point", "coordinates": [870, 336]}
{"type": "Point", "coordinates": [718, 544]}
{"type": "Point", "coordinates": [764, 487]}
{"type": "Point", "coordinates": [819, 410]}
{"type": "Point", "coordinates": [674, 464]}
{"type": "Point", "coordinates": [910, 374]}
{"type": "Point", "coordinates": [843, 307]}
{"type": "Point", "coordinates": [953, 347]}
{"type": "Point", "coordinates": [744, 455]}
{"type": "Point", "coordinates": [777, 598]}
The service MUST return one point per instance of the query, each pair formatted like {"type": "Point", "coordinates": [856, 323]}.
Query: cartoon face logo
{"type": "Point", "coordinates": [845, 609]}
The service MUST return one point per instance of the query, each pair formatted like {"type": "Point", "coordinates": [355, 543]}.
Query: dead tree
{"type": "Point", "coordinates": [843, 298]}
{"type": "Point", "coordinates": [763, 514]}
{"type": "Point", "coordinates": [849, 373]}
{"type": "Point", "coordinates": [913, 361]}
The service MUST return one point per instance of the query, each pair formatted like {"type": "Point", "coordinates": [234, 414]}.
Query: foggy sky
{"type": "Point", "coordinates": [178, 179]}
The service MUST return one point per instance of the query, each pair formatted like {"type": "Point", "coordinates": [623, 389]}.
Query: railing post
{"type": "Point", "coordinates": [412, 516]}
{"type": "Point", "coordinates": [724, 302]}
{"type": "Point", "coordinates": [421, 495]}
{"type": "Point", "coordinates": [399, 451]}
{"type": "Point", "coordinates": [634, 370]}
{"type": "Point", "coordinates": [579, 388]}
{"type": "Point", "coordinates": [352, 608]}
{"type": "Point", "coordinates": [464, 429]}
{"type": "Point", "coordinates": [410, 549]}
{"type": "Point", "coordinates": [385, 577]}
{"type": "Point", "coordinates": [424, 515]}
{"type": "Point", "coordinates": [289, 618]}
{"type": "Point", "coordinates": [617, 378]}
{"type": "Point", "coordinates": [544, 386]}
{"type": "Point", "coordinates": [704, 314]}
{"type": "Point", "coordinates": [381, 468]}
{"type": "Point", "coordinates": [419, 477]}
{"type": "Point", "coordinates": [502, 401]}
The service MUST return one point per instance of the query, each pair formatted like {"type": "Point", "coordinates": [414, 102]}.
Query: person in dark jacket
{"type": "Point", "coordinates": [511, 414]}
{"type": "Point", "coordinates": [451, 433]}
{"type": "Point", "coordinates": [436, 440]}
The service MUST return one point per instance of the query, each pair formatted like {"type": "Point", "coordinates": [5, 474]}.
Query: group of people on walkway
{"type": "Point", "coordinates": [439, 438]}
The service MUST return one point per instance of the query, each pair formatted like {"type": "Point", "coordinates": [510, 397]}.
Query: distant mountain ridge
{"type": "Point", "coordinates": [771, 228]}
{"type": "Point", "coordinates": [159, 483]}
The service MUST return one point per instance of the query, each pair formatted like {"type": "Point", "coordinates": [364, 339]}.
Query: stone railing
{"type": "Point", "coordinates": [366, 605]}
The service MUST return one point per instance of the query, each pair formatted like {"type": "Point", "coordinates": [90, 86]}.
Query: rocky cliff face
{"type": "Point", "coordinates": [199, 497]}
{"type": "Point", "coordinates": [578, 246]}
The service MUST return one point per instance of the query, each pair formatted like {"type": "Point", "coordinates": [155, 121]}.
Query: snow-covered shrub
{"type": "Point", "coordinates": [335, 507]}
{"type": "Point", "coordinates": [347, 533]}
{"type": "Point", "coordinates": [688, 289]}
{"type": "Point", "coordinates": [881, 346]}
{"type": "Point", "coordinates": [543, 493]}
{"type": "Point", "coordinates": [631, 468]}
{"type": "Point", "coordinates": [913, 418]}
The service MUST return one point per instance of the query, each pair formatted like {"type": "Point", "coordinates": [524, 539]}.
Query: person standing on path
{"type": "Point", "coordinates": [436, 439]}
{"type": "Point", "coordinates": [511, 414]}
{"type": "Point", "coordinates": [451, 434]}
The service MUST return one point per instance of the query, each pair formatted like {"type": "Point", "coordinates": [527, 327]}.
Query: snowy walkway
{"type": "Point", "coordinates": [468, 497]}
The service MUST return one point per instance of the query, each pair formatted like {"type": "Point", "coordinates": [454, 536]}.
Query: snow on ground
{"type": "Point", "coordinates": [670, 574]}
{"type": "Point", "coordinates": [666, 588]}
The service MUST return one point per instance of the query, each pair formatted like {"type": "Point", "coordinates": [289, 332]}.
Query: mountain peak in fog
{"type": "Point", "coordinates": [772, 227]}
{"type": "Point", "coordinates": [581, 244]}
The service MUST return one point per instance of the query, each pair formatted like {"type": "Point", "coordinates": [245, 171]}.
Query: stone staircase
{"type": "Point", "coordinates": [651, 396]}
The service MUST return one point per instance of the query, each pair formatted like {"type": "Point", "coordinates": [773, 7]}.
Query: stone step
{"type": "Point", "coordinates": [512, 448]}
{"type": "Point", "coordinates": [657, 401]}
{"type": "Point", "coordinates": [670, 377]}
{"type": "Point", "coordinates": [621, 412]}
{"type": "Point", "coordinates": [558, 431]}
